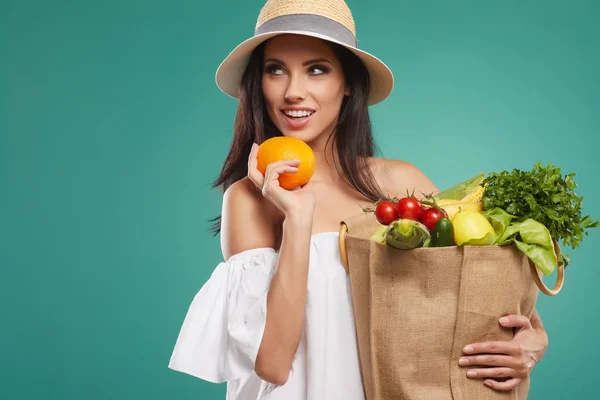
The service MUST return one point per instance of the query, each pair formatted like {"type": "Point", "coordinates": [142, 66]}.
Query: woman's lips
{"type": "Point", "coordinates": [296, 122]}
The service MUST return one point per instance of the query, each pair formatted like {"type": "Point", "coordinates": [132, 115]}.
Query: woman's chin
{"type": "Point", "coordinates": [306, 135]}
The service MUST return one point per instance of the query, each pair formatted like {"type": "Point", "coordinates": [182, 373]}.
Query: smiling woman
{"type": "Point", "coordinates": [303, 87]}
{"type": "Point", "coordinates": [300, 83]}
{"type": "Point", "coordinates": [275, 320]}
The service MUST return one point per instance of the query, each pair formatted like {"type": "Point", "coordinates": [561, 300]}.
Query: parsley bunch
{"type": "Point", "coordinates": [544, 195]}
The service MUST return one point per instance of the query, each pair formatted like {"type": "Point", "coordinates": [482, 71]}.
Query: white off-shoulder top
{"type": "Point", "coordinates": [222, 331]}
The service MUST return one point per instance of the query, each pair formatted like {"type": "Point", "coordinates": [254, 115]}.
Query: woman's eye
{"type": "Point", "coordinates": [274, 70]}
{"type": "Point", "coordinates": [318, 70]}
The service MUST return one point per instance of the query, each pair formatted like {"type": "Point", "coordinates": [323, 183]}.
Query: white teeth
{"type": "Point", "coordinates": [298, 114]}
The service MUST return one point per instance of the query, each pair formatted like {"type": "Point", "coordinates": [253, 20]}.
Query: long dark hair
{"type": "Point", "coordinates": [353, 138]}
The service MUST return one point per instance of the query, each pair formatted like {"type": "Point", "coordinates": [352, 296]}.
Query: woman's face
{"type": "Point", "coordinates": [303, 87]}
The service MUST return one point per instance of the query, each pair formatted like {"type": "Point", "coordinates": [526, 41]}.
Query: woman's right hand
{"type": "Point", "coordinates": [292, 203]}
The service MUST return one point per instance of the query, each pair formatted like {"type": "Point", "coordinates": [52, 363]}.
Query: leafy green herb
{"type": "Point", "coordinates": [543, 195]}
{"type": "Point", "coordinates": [530, 237]}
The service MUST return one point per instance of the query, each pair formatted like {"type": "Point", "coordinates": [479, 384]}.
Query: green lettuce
{"type": "Point", "coordinates": [530, 237]}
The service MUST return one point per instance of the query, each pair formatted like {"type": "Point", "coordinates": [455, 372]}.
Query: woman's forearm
{"type": "Point", "coordinates": [286, 303]}
{"type": "Point", "coordinates": [536, 321]}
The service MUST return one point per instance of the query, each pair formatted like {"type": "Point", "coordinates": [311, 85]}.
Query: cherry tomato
{"type": "Point", "coordinates": [386, 213]}
{"type": "Point", "coordinates": [430, 217]}
{"type": "Point", "coordinates": [410, 208]}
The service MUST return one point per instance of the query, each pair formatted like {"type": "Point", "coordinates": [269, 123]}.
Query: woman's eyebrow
{"type": "Point", "coordinates": [304, 64]}
{"type": "Point", "coordinates": [274, 60]}
{"type": "Point", "coordinates": [315, 60]}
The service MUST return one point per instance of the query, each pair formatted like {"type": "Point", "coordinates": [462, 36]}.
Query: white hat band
{"type": "Point", "coordinates": [311, 23]}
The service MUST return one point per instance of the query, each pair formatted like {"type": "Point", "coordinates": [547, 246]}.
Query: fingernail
{"type": "Point", "coordinates": [488, 383]}
{"type": "Point", "coordinates": [468, 349]}
{"type": "Point", "coordinates": [471, 374]}
{"type": "Point", "coordinates": [463, 361]}
{"type": "Point", "coordinates": [504, 320]}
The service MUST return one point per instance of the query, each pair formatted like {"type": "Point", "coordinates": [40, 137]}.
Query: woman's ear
{"type": "Point", "coordinates": [347, 91]}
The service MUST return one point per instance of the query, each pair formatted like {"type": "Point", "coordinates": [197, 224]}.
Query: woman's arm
{"type": "Point", "coordinates": [286, 303]}
{"type": "Point", "coordinates": [245, 226]}
{"type": "Point", "coordinates": [536, 321]}
{"type": "Point", "coordinates": [249, 221]}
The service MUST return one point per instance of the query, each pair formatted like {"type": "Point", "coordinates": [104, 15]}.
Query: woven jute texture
{"type": "Point", "coordinates": [415, 311]}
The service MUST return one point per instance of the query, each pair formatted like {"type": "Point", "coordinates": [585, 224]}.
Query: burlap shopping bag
{"type": "Point", "coordinates": [415, 311]}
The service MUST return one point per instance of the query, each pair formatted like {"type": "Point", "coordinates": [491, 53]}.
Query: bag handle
{"type": "Point", "coordinates": [535, 271]}
{"type": "Point", "coordinates": [560, 279]}
{"type": "Point", "coordinates": [342, 239]}
{"type": "Point", "coordinates": [361, 226]}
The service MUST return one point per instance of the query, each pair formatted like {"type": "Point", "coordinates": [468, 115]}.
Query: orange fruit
{"type": "Point", "coordinates": [287, 148]}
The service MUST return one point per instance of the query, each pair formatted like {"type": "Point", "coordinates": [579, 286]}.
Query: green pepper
{"type": "Point", "coordinates": [442, 234]}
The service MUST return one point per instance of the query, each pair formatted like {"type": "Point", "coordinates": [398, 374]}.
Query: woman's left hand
{"type": "Point", "coordinates": [513, 359]}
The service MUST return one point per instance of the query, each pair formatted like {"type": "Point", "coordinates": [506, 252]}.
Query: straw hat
{"type": "Point", "coordinates": [330, 20]}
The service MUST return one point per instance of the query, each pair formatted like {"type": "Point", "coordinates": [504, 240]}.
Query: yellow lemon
{"type": "Point", "coordinates": [471, 226]}
{"type": "Point", "coordinates": [452, 208]}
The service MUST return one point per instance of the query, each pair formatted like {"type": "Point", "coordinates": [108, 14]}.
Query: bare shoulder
{"type": "Point", "coordinates": [398, 177]}
{"type": "Point", "coordinates": [246, 222]}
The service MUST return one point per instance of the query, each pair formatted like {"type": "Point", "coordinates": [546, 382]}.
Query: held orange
{"type": "Point", "coordinates": [287, 148]}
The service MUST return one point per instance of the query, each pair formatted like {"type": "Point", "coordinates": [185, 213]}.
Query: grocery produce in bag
{"type": "Point", "coordinates": [532, 209]}
{"type": "Point", "coordinates": [430, 275]}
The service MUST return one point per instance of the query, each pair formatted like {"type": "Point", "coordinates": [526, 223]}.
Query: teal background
{"type": "Point", "coordinates": [112, 129]}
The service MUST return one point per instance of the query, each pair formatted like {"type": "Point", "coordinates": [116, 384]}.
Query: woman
{"type": "Point", "coordinates": [275, 320]}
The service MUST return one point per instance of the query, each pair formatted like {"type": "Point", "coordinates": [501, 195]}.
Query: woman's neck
{"type": "Point", "coordinates": [326, 158]}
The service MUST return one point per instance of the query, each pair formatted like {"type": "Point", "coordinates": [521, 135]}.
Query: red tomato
{"type": "Point", "coordinates": [386, 213]}
{"type": "Point", "coordinates": [430, 217]}
{"type": "Point", "coordinates": [410, 208]}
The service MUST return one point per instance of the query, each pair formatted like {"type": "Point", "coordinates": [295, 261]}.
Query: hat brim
{"type": "Point", "coordinates": [229, 74]}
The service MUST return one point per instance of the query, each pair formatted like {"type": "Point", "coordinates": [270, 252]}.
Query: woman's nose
{"type": "Point", "coordinates": [296, 89]}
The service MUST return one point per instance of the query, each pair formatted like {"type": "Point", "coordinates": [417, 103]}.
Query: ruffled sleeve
{"type": "Point", "coordinates": [224, 325]}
